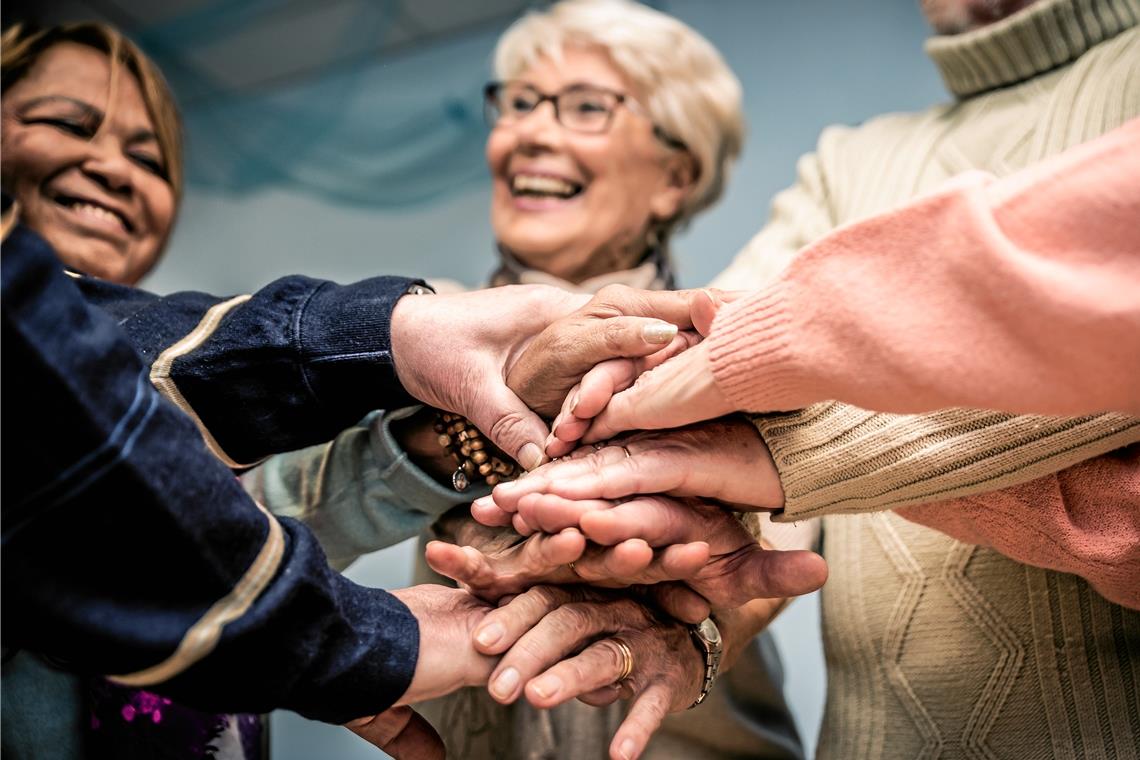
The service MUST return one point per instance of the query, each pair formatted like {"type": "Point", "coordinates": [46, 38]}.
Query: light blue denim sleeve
{"type": "Point", "coordinates": [357, 493]}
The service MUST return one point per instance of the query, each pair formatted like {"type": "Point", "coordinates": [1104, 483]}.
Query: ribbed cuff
{"type": "Point", "coordinates": [752, 355]}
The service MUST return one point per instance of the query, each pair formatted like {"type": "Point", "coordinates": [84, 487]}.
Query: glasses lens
{"type": "Point", "coordinates": [585, 109]}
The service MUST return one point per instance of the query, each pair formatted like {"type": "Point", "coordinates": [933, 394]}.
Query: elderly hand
{"type": "Point", "coordinates": [492, 571]}
{"type": "Point", "coordinates": [618, 322]}
{"type": "Point", "coordinates": [465, 352]}
{"type": "Point", "coordinates": [446, 617]}
{"type": "Point", "coordinates": [699, 543]}
{"type": "Point", "coordinates": [560, 644]}
{"type": "Point", "coordinates": [724, 460]}
{"type": "Point", "coordinates": [689, 393]}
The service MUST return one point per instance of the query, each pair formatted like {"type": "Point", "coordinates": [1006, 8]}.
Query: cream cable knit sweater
{"type": "Point", "coordinates": [938, 648]}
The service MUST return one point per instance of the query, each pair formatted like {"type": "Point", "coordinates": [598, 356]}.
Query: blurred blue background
{"type": "Point", "coordinates": [343, 139]}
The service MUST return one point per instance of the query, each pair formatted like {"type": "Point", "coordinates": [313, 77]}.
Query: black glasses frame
{"type": "Point", "coordinates": [492, 111]}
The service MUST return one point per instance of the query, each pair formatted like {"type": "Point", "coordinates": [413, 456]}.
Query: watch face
{"type": "Point", "coordinates": [708, 631]}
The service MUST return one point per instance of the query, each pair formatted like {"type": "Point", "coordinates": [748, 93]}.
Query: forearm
{"type": "Point", "coordinates": [130, 550]}
{"type": "Point", "coordinates": [288, 366]}
{"type": "Point", "coordinates": [834, 458]}
{"type": "Point", "coordinates": [1016, 294]}
{"type": "Point", "coordinates": [359, 493]}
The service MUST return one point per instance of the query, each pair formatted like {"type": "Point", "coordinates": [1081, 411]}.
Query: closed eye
{"type": "Point", "coordinates": [70, 126]}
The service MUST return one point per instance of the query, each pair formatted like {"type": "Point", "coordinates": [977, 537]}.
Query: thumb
{"type": "Point", "coordinates": [402, 733]}
{"type": "Point", "coordinates": [512, 426]}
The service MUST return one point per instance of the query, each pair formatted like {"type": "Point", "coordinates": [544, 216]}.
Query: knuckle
{"type": "Point", "coordinates": [613, 336]}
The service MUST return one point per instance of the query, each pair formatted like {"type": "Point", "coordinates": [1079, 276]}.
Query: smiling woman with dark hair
{"type": "Point", "coordinates": [91, 147]}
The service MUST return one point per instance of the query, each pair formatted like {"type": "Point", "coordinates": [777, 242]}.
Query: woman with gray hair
{"type": "Point", "coordinates": [613, 124]}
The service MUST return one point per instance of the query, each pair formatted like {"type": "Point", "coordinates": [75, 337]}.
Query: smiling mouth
{"type": "Point", "coordinates": [542, 186]}
{"type": "Point", "coordinates": [94, 211]}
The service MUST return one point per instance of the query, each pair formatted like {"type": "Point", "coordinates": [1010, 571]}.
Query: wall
{"type": "Point", "coordinates": [803, 65]}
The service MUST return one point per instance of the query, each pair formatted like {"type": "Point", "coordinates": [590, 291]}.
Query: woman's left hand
{"type": "Point", "coordinates": [562, 642]}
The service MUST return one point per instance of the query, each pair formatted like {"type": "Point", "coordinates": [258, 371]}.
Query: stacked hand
{"type": "Point", "coordinates": [597, 558]}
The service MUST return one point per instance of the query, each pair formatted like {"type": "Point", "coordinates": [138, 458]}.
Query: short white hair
{"type": "Point", "coordinates": [687, 88]}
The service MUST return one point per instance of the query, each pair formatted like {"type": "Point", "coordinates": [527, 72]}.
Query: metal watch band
{"type": "Point", "coordinates": [707, 638]}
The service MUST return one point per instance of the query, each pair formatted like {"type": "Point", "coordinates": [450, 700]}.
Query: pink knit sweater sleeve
{"type": "Point", "coordinates": [1084, 520]}
{"type": "Point", "coordinates": [1020, 294]}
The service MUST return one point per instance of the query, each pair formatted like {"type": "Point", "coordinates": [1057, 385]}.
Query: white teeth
{"type": "Point", "coordinates": [98, 212]}
{"type": "Point", "coordinates": [529, 183]}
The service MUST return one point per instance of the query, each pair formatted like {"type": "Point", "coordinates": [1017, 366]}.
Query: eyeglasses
{"type": "Point", "coordinates": [580, 108]}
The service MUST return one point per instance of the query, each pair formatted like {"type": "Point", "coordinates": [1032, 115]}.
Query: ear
{"type": "Point", "coordinates": [677, 184]}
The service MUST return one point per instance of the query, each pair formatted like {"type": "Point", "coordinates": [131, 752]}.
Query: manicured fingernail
{"type": "Point", "coordinates": [484, 502]}
{"type": "Point", "coordinates": [659, 332]}
{"type": "Point", "coordinates": [505, 684]}
{"type": "Point", "coordinates": [627, 749]}
{"type": "Point", "coordinates": [530, 456]}
{"type": "Point", "coordinates": [547, 687]}
{"type": "Point", "coordinates": [489, 634]}
{"type": "Point", "coordinates": [578, 394]}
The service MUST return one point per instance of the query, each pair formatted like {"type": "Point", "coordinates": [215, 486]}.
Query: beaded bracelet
{"type": "Point", "coordinates": [472, 453]}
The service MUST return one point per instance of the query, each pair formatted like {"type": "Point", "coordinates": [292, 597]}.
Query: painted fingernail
{"type": "Point", "coordinates": [627, 749]}
{"type": "Point", "coordinates": [548, 687]}
{"type": "Point", "coordinates": [530, 456]}
{"type": "Point", "coordinates": [659, 332]}
{"type": "Point", "coordinates": [488, 635]}
{"type": "Point", "coordinates": [505, 684]}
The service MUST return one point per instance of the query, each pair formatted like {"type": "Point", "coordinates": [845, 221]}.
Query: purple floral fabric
{"type": "Point", "coordinates": [133, 724]}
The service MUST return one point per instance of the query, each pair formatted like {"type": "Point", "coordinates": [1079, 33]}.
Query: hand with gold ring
{"type": "Point", "coordinates": [562, 643]}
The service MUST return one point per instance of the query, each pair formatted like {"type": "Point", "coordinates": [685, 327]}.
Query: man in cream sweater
{"type": "Point", "coordinates": [937, 648]}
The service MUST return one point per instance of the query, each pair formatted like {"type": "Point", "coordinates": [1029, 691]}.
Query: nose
{"type": "Point", "coordinates": [539, 128]}
{"type": "Point", "coordinates": [108, 166]}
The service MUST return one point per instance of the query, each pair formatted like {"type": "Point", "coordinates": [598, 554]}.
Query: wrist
{"type": "Point", "coordinates": [740, 625]}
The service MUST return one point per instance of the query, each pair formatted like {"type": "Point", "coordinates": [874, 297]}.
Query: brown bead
{"type": "Point", "coordinates": [476, 444]}
{"type": "Point", "coordinates": [479, 457]}
{"type": "Point", "coordinates": [486, 469]}
{"type": "Point", "coordinates": [469, 468]}
{"type": "Point", "coordinates": [439, 427]}
{"type": "Point", "coordinates": [492, 479]}
{"type": "Point", "coordinates": [465, 450]}
{"type": "Point", "coordinates": [444, 441]}
{"type": "Point", "coordinates": [503, 468]}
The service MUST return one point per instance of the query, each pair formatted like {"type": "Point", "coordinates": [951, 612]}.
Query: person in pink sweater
{"type": "Point", "coordinates": [1020, 294]}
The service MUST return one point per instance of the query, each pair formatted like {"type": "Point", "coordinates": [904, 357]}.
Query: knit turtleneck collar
{"type": "Point", "coordinates": [1047, 34]}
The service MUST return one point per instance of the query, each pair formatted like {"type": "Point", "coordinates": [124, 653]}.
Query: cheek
{"type": "Point", "coordinates": [26, 159]}
{"type": "Point", "coordinates": [159, 204]}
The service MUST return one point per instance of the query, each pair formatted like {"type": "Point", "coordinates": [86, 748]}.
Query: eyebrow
{"type": "Point", "coordinates": [139, 135]}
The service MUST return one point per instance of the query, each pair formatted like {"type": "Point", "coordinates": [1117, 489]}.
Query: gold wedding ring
{"type": "Point", "coordinates": [627, 659]}
{"type": "Point", "coordinates": [627, 454]}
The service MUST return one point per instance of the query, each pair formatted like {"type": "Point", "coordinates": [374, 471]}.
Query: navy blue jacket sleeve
{"type": "Point", "coordinates": [130, 551]}
{"type": "Point", "coordinates": [286, 367]}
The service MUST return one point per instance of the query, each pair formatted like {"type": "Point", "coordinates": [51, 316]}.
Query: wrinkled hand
{"type": "Point", "coordinates": [690, 395]}
{"type": "Point", "coordinates": [453, 352]}
{"type": "Point", "coordinates": [491, 569]}
{"type": "Point", "coordinates": [724, 460]}
{"type": "Point", "coordinates": [619, 322]}
{"type": "Point", "coordinates": [558, 646]}
{"type": "Point", "coordinates": [447, 661]}
{"type": "Point", "coordinates": [402, 733]}
{"type": "Point", "coordinates": [699, 543]}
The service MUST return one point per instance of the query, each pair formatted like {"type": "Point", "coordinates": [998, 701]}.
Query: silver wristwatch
{"type": "Point", "coordinates": [707, 638]}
